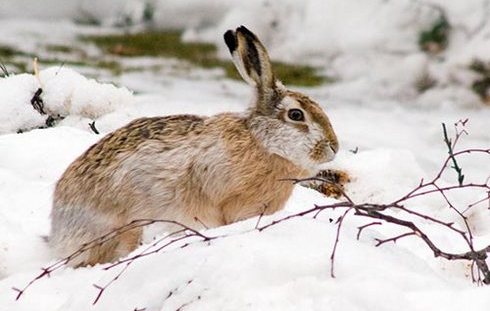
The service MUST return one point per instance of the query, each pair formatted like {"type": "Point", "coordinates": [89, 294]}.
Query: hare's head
{"type": "Point", "coordinates": [288, 123]}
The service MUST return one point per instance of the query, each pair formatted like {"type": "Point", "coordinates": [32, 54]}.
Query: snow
{"type": "Point", "coordinates": [369, 47]}
{"type": "Point", "coordinates": [14, 94]}
{"type": "Point", "coordinates": [65, 92]}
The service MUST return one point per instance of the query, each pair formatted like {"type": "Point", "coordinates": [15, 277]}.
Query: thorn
{"type": "Point", "coordinates": [93, 128]}
{"type": "Point", "coordinates": [19, 293]}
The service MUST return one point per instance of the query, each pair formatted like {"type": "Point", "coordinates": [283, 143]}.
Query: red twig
{"type": "Point", "coordinates": [260, 216]}
{"type": "Point", "coordinates": [393, 239]}
{"type": "Point", "coordinates": [103, 239]}
{"type": "Point", "coordinates": [361, 228]}
{"type": "Point", "coordinates": [336, 243]}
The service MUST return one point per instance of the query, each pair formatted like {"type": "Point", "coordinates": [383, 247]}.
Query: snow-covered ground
{"type": "Point", "coordinates": [372, 51]}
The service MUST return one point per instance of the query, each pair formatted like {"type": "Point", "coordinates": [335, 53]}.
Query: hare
{"type": "Point", "coordinates": [190, 169]}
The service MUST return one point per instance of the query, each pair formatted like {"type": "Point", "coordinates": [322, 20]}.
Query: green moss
{"type": "Point", "coordinates": [4, 72]}
{"type": "Point", "coordinates": [114, 67]}
{"type": "Point", "coordinates": [299, 74]}
{"type": "Point", "coordinates": [60, 48]}
{"type": "Point", "coordinates": [148, 12]}
{"type": "Point", "coordinates": [425, 82]}
{"type": "Point", "coordinates": [480, 67]}
{"type": "Point", "coordinates": [436, 38]}
{"type": "Point", "coordinates": [21, 67]}
{"type": "Point", "coordinates": [10, 67]}
{"type": "Point", "coordinates": [6, 52]}
{"type": "Point", "coordinates": [169, 44]}
{"type": "Point", "coordinates": [166, 44]}
{"type": "Point", "coordinates": [85, 18]}
{"type": "Point", "coordinates": [13, 60]}
{"type": "Point", "coordinates": [481, 85]}
{"type": "Point", "coordinates": [56, 61]}
{"type": "Point", "coordinates": [10, 63]}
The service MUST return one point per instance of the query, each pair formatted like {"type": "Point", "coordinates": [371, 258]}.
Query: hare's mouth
{"type": "Point", "coordinates": [322, 151]}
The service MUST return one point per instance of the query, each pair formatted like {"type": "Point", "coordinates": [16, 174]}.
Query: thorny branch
{"type": "Point", "coordinates": [337, 239]}
{"type": "Point", "coordinates": [361, 228]}
{"type": "Point", "coordinates": [380, 213]}
{"type": "Point", "coordinates": [184, 233]}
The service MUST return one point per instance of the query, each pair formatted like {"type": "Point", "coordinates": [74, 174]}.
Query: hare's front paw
{"type": "Point", "coordinates": [333, 184]}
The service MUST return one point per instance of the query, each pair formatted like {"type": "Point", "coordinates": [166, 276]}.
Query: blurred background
{"type": "Point", "coordinates": [386, 72]}
{"type": "Point", "coordinates": [428, 53]}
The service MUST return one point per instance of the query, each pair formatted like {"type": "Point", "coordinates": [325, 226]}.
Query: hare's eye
{"type": "Point", "coordinates": [296, 115]}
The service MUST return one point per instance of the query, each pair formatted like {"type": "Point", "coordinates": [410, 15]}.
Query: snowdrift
{"type": "Point", "coordinates": [386, 105]}
{"type": "Point", "coordinates": [285, 267]}
{"type": "Point", "coordinates": [62, 92]}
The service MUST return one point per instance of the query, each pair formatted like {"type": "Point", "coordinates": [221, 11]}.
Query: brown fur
{"type": "Point", "coordinates": [334, 184]}
{"type": "Point", "coordinates": [218, 169]}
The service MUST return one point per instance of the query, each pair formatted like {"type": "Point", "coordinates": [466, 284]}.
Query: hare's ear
{"type": "Point", "coordinates": [250, 58]}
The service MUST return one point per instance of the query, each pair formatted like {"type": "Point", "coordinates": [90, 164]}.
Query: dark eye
{"type": "Point", "coordinates": [296, 115]}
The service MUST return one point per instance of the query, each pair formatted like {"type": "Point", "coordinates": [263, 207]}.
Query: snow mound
{"type": "Point", "coordinates": [16, 111]}
{"type": "Point", "coordinates": [379, 175]}
{"type": "Point", "coordinates": [64, 93]}
{"type": "Point", "coordinates": [285, 267]}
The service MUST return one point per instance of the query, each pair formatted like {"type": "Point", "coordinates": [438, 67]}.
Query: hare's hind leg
{"type": "Point", "coordinates": [114, 248]}
{"type": "Point", "coordinates": [128, 242]}
{"type": "Point", "coordinates": [80, 233]}
{"type": "Point", "coordinates": [108, 251]}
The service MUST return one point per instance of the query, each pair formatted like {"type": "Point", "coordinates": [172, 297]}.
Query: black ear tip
{"type": "Point", "coordinates": [245, 31]}
{"type": "Point", "coordinates": [230, 40]}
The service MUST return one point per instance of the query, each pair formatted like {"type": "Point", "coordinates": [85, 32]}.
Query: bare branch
{"type": "Point", "coordinates": [336, 243]}
{"type": "Point", "coordinates": [260, 216]}
{"type": "Point", "coordinates": [361, 228]}
{"type": "Point", "coordinates": [394, 239]}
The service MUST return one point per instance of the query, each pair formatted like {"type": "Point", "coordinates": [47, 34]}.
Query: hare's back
{"type": "Point", "coordinates": [104, 158]}
{"type": "Point", "coordinates": [167, 129]}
